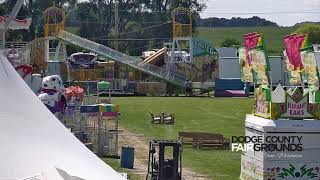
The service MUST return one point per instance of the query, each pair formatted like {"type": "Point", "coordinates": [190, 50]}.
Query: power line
{"type": "Point", "coordinates": [140, 47]}
{"type": "Point", "coordinates": [136, 31]}
{"type": "Point", "coordinates": [150, 11]}
{"type": "Point", "coordinates": [131, 32]}
{"type": "Point", "coordinates": [96, 22]}
{"type": "Point", "coordinates": [88, 22]}
{"type": "Point", "coordinates": [129, 39]}
{"type": "Point", "coordinates": [142, 29]}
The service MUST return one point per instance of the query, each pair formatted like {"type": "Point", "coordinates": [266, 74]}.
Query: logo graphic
{"type": "Point", "coordinates": [298, 173]}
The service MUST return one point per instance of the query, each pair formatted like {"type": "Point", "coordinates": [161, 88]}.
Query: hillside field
{"type": "Point", "coordinates": [273, 35]}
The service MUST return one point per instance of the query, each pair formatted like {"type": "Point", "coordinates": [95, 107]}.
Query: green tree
{"type": "Point", "coordinates": [313, 31]}
{"type": "Point", "coordinates": [230, 42]}
{"type": "Point", "coordinates": [94, 19]}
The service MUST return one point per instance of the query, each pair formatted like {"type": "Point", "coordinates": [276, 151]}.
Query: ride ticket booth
{"type": "Point", "coordinates": [285, 136]}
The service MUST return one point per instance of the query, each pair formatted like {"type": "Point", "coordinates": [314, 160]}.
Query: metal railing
{"type": "Point", "coordinates": [16, 45]}
{"type": "Point", "coordinates": [123, 58]}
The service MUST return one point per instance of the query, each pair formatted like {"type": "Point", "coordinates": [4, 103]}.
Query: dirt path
{"type": "Point", "coordinates": [138, 142]}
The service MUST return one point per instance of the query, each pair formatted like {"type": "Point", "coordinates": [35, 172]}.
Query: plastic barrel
{"type": "Point", "coordinates": [127, 157]}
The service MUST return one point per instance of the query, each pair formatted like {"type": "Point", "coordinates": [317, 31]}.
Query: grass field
{"type": "Point", "coordinates": [273, 35]}
{"type": "Point", "coordinates": [115, 164]}
{"type": "Point", "coordinates": [219, 115]}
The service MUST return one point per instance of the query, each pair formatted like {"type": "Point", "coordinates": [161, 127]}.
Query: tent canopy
{"type": "Point", "coordinates": [33, 141]}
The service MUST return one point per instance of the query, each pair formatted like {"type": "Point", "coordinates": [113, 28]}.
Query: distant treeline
{"type": "Point", "coordinates": [234, 22]}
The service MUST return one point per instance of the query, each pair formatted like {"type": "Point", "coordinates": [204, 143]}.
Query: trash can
{"type": "Point", "coordinates": [127, 157]}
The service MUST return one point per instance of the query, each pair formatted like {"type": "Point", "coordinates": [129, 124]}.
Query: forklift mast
{"type": "Point", "coordinates": [164, 166]}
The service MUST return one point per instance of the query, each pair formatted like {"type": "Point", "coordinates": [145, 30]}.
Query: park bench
{"type": "Point", "coordinates": [155, 118]}
{"type": "Point", "coordinates": [200, 140]}
{"type": "Point", "coordinates": [162, 119]}
{"type": "Point", "coordinates": [167, 119]}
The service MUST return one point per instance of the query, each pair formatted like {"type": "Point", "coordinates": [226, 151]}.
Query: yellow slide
{"type": "Point", "coordinates": [155, 57]}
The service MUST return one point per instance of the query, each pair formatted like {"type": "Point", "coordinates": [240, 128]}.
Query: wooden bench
{"type": "Point", "coordinates": [200, 140]}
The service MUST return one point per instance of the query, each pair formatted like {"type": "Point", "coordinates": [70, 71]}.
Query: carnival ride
{"type": "Point", "coordinates": [177, 58]}
{"type": "Point", "coordinates": [156, 57]}
{"type": "Point", "coordinates": [175, 55]}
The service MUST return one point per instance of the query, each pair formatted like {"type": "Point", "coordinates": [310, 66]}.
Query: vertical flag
{"type": "Point", "coordinates": [300, 60]}
{"type": "Point", "coordinates": [256, 56]}
{"type": "Point", "coordinates": [310, 70]}
{"type": "Point", "coordinates": [245, 68]}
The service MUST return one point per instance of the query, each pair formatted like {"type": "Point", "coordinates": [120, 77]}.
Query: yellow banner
{"type": "Point", "coordinates": [310, 70]}
{"type": "Point", "coordinates": [259, 66]}
{"type": "Point", "coordinates": [245, 68]}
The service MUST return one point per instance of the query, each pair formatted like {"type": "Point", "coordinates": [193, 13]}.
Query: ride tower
{"type": "Point", "coordinates": [54, 22]}
{"type": "Point", "coordinates": [181, 50]}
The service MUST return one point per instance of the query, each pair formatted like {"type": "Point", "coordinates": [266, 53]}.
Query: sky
{"type": "Point", "coordinates": [273, 10]}
{"type": "Point", "coordinates": [282, 12]}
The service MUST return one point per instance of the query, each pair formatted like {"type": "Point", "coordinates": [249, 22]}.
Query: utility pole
{"type": "Point", "coordinates": [116, 33]}
{"type": "Point", "coordinates": [116, 25]}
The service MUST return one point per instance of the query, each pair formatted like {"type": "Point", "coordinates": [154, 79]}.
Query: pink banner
{"type": "Point", "coordinates": [293, 43]}
{"type": "Point", "coordinates": [15, 23]}
{"type": "Point", "coordinates": [250, 41]}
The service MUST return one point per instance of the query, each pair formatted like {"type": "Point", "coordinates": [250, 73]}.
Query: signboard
{"type": "Point", "coordinates": [296, 106]}
{"type": "Point", "coordinates": [261, 105]}
{"type": "Point", "coordinates": [202, 47]}
{"type": "Point", "coordinates": [262, 102]}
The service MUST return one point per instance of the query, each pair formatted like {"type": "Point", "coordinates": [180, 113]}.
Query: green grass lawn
{"type": "Point", "coordinates": [218, 115]}
{"type": "Point", "coordinates": [273, 35]}
{"type": "Point", "coordinates": [115, 164]}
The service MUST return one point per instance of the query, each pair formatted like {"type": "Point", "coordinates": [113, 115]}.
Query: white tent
{"type": "Point", "coordinates": [34, 144]}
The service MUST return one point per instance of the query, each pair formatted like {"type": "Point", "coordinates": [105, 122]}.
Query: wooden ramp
{"type": "Point", "coordinates": [156, 57]}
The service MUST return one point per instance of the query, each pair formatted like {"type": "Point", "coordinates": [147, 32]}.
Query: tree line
{"type": "Point", "coordinates": [146, 22]}
{"type": "Point", "coordinates": [234, 22]}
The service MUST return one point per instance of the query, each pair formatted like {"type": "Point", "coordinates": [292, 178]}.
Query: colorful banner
{"type": "Point", "coordinates": [259, 66]}
{"type": "Point", "coordinates": [293, 43]}
{"type": "Point", "coordinates": [294, 75]}
{"type": "Point", "coordinates": [300, 60]}
{"type": "Point", "coordinates": [245, 67]}
{"type": "Point", "coordinates": [251, 40]}
{"type": "Point", "coordinates": [257, 57]}
{"type": "Point", "coordinates": [310, 70]}
{"type": "Point", "coordinates": [262, 98]}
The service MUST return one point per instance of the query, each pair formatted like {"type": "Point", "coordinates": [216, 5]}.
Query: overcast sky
{"type": "Point", "coordinates": [278, 8]}
{"type": "Point", "coordinates": [283, 12]}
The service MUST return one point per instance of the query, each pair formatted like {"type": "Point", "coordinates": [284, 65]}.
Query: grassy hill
{"type": "Point", "coordinates": [273, 35]}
